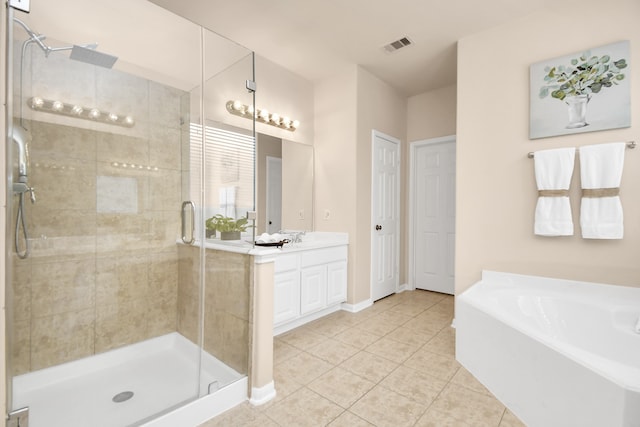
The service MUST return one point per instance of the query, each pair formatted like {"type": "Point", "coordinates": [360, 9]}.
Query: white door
{"type": "Point", "coordinates": [274, 195]}
{"type": "Point", "coordinates": [385, 215]}
{"type": "Point", "coordinates": [433, 205]}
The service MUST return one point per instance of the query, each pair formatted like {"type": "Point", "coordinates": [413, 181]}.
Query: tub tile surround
{"type": "Point", "coordinates": [327, 374]}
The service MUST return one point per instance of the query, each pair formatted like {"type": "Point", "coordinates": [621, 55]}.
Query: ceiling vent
{"type": "Point", "coordinates": [396, 45]}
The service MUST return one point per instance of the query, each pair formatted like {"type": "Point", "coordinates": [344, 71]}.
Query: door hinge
{"type": "Point", "coordinates": [18, 418]}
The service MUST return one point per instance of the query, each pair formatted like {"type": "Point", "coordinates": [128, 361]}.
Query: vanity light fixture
{"type": "Point", "coordinates": [262, 115]}
{"type": "Point", "coordinates": [58, 107]}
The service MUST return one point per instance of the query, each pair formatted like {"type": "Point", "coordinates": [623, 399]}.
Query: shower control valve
{"type": "Point", "coordinates": [32, 194]}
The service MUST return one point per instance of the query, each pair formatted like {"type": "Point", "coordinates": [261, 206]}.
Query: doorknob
{"type": "Point", "coordinates": [378, 227]}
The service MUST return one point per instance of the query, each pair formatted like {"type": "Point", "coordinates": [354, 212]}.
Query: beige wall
{"type": "Point", "coordinates": [496, 191]}
{"type": "Point", "coordinates": [348, 108]}
{"type": "Point", "coordinates": [335, 160]}
{"type": "Point", "coordinates": [431, 114]}
{"type": "Point", "coordinates": [381, 108]}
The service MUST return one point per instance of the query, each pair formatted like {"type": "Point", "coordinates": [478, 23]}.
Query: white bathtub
{"type": "Point", "coordinates": [555, 352]}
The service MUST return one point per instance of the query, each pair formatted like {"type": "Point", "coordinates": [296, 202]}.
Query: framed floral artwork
{"type": "Point", "coordinates": [582, 92]}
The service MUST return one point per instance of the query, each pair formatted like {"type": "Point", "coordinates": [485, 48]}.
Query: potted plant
{"type": "Point", "coordinates": [576, 83]}
{"type": "Point", "coordinates": [210, 227]}
{"type": "Point", "coordinates": [230, 228]}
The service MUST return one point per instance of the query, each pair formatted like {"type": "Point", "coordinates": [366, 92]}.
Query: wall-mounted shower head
{"type": "Point", "coordinates": [90, 56]}
{"type": "Point", "coordinates": [22, 138]}
{"type": "Point", "coordinates": [84, 53]}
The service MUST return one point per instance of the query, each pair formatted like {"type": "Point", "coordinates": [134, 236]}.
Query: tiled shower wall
{"type": "Point", "coordinates": [103, 271]}
{"type": "Point", "coordinates": [227, 323]}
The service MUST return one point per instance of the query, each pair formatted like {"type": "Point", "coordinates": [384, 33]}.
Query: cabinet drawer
{"type": "Point", "coordinates": [286, 263]}
{"type": "Point", "coordinates": [323, 256]}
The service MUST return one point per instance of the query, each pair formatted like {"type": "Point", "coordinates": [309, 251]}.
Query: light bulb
{"type": "Point", "coordinates": [128, 120]}
{"type": "Point", "coordinates": [264, 115]}
{"type": "Point", "coordinates": [37, 102]}
{"type": "Point", "coordinates": [286, 122]}
{"type": "Point", "coordinates": [113, 117]}
{"type": "Point", "coordinates": [238, 106]}
{"type": "Point", "coordinates": [57, 106]}
{"type": "Point", "coordinates": [295, 124]}
{"type": "Point", "coordinates": [77, 110]}
{"type": "Point", "coordinates": [94, 113]}
{"type": "Point", "coordinates": [275, 118]}
{"type": "Point", "coordinates": [250, 109]}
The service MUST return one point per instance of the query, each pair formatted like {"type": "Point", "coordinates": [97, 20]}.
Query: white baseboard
{"type": "Point", "coordinates": [404, 287]}
{"type": "Point", "coordinates": [262, 395]}
{"type": "Point", "coordinates": [354, 308]}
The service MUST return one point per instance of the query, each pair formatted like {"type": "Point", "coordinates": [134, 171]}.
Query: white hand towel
{"type": "Point", "coordinates": [227, 197]}
{"type": "Point", "coordinates": [601, 167]}
{"type": "Point", "coordinates": [554, 169]}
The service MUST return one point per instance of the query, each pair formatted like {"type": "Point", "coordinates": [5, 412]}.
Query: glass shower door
{"type": "Point", "coordinates": [93, 303]}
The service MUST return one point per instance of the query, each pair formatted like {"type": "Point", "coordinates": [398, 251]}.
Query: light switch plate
{"type": "Point", "coordinates": [23, 5]}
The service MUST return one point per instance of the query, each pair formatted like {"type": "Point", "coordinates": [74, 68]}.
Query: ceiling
{"type": "Point", "coordinates": [317, 39]}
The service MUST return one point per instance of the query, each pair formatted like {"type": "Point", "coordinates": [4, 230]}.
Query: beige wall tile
{"type": "Point", "coordinates": [120, 324]}
{"type": "Point", "coordinates": [20, 341]}
{"type": "Point", "coordinates": [62, 287]}
{"type": "Point", "coordinates": [61, 338]}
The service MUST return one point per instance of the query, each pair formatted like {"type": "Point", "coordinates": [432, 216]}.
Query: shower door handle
{"type": "Point", "coordinates": [191, 220]}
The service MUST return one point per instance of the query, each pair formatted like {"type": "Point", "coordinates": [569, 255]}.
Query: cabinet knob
{"type": "Point", "coordinates": [378, 227]}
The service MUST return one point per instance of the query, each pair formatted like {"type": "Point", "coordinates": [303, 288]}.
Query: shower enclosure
{"type": "Point", "coordinates": [116, 315]}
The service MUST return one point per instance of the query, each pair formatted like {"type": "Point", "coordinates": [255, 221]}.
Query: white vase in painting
{"type": "Point", "coordinates": [577, 108]}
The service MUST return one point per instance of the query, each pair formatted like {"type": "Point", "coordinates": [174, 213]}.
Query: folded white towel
{"type": "Point", "coordinates": [269, 238]}
{"type": "Point", "coordinates": [553, 169]}
{"type": "Point", "coordinates": [601, 167]}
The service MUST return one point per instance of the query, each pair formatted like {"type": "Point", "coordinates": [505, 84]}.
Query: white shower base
{"type": "Point", "coordinates": [161, 372]}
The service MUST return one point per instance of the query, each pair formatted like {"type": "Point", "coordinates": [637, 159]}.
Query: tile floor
{"type": "Point", "coordinates": [390, 365]}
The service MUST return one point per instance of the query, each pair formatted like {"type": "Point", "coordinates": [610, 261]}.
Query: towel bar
{"type": "Point", "coordinates": [630, 144]}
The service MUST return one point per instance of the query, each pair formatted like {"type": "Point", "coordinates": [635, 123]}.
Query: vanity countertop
{"type": "Point", "coordinates": [311, 240]}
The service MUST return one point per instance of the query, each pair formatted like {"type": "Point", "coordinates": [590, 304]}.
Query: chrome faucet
{"type": "Point", "coordinates": [296, 236]}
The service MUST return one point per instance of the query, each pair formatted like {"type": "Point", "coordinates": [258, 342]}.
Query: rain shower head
{"type": "Point", "coordinates": [90, 56]}
{"type": "Point", "coordinates": [84, 53]}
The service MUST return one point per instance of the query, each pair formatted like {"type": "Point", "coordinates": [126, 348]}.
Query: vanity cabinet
{"type": "Point", "coordinates": [308, 284]}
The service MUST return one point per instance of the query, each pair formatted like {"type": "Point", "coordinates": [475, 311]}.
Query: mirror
{"type": "Point", "coordinates": [284, 185]}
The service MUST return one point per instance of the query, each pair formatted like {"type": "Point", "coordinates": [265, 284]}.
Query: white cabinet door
{"type": "Point", "coordinates": [313, 289]}
{"type": "Point", "coordinates": [336, 282]}
{"type": "Point", "coordinates": [286, 296]}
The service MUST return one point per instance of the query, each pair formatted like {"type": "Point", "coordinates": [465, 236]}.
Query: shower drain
{"type": "Point", "coordinates": [122, 397]}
